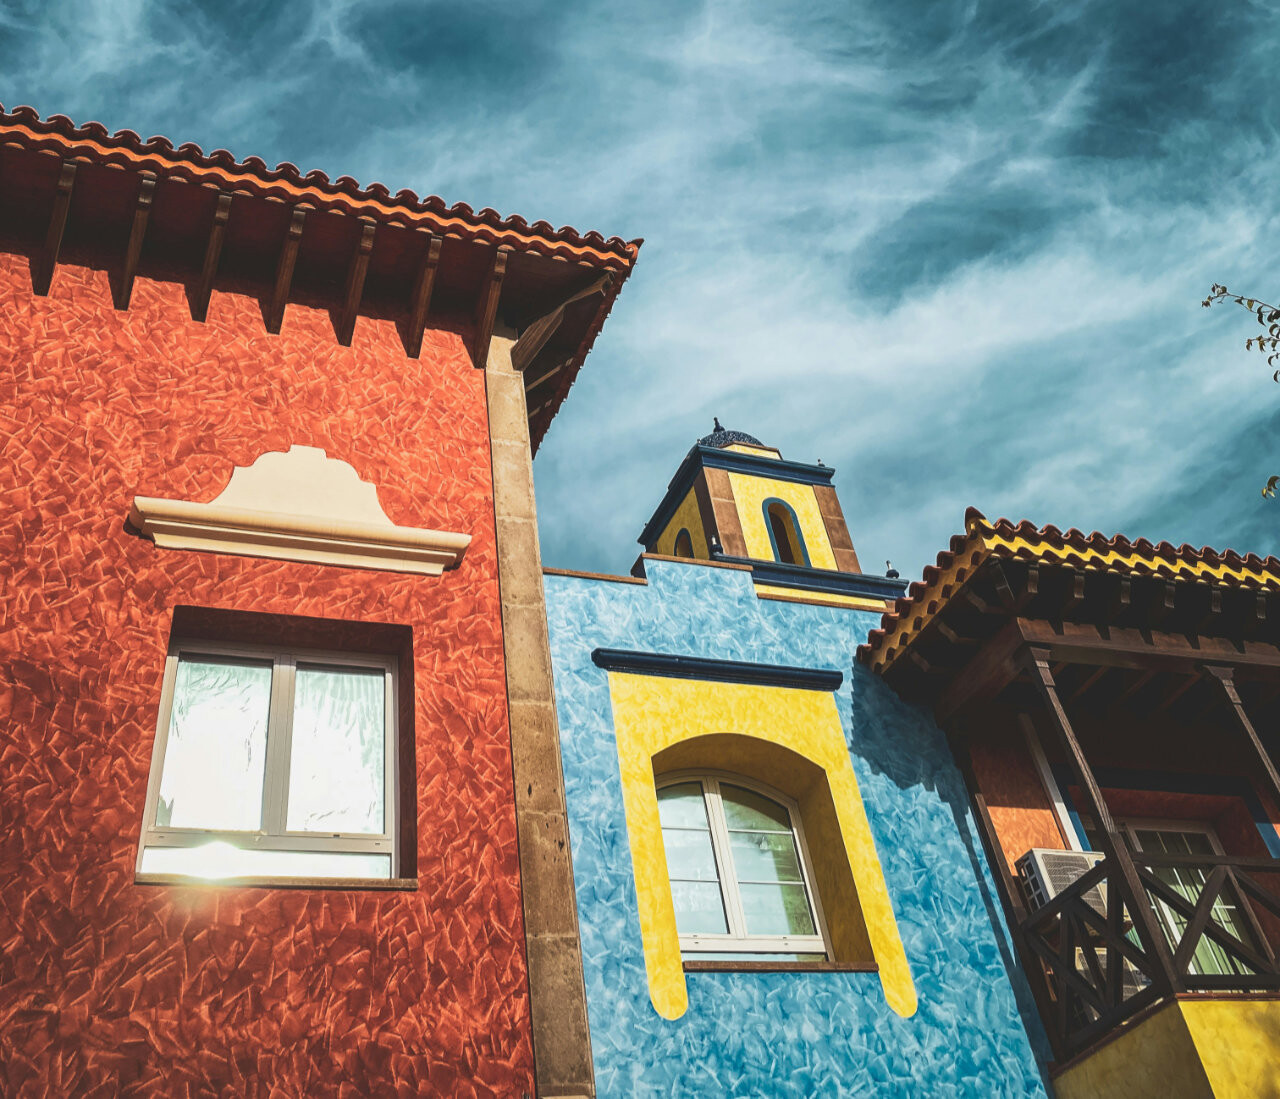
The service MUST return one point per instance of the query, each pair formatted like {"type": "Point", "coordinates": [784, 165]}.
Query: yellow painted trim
{"type": "Point", "coordinates": [824, 599]}
{"type": "Point", "coordinates": [750, 492]}
{"type": "Point", "coordinates": [688, 517]}
{"type": "Point", "coordinates": [652, 713]}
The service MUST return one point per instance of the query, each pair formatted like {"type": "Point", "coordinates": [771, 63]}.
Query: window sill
{"type": "Point", "coordinates": [402, 885]}
{"type": "Point", "coordinates": [781, 967]}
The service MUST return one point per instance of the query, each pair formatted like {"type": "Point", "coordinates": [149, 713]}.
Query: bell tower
{"type": "Point", "coordinates": [737, 500]}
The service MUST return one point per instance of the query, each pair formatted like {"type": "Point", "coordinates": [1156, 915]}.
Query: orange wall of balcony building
{"type": "Point", "coordinates": [113, 987]}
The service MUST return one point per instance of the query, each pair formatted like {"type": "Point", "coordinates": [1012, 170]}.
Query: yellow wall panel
{"type": "Point", "coordinates": [1239, 1045]}
{"type": "Point", "coordinates": [687, 517]}
{"type": "Point", "coordinates": [750, 493]}
{"type": "Point", "coordinates": [1227, 1049]}
{"type": "Point", "coordinates": [1154, 1060]}
{"type": "Point", "coordinates": [651, 715]}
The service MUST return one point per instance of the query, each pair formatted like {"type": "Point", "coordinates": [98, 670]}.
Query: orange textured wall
{"type": "Point", "coordinates": [108, 987]}
{"type": "Point", "coordinates": [1021, 812]}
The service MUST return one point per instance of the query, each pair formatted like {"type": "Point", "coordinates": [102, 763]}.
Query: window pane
{"type": "Point", "coordinates": [223, 860]}
{"type": "Point", "coordinates": [681, 806]}
{"type": "Point", "coordinates": [215, 754]}
{"type": "Point", "coordinates": [777, 910]}
{"type": "Point", "coordinates": [699, 909]}
{"type": "Point", "coordinates": [765, 857]}
{"type": "Point", "coordinates": [746, 810]}
{"type": "Point", "coordinates": [336, 762]}
{"type": "Point", "coordinates": [689, 854]}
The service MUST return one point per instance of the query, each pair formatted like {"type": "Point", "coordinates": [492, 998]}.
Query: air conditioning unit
{"type": "Point", "coordinates": [1045, 873]}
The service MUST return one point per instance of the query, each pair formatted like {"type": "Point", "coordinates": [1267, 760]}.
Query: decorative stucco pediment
{"type": "Point", "coordinates": [299, 505]}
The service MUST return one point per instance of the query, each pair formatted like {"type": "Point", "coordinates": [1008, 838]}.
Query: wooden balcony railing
{"type": "Point", "coordinates": [1219, 916]}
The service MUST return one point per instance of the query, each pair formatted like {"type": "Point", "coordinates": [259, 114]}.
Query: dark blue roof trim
{"type": "Point", "coordinates": [713, 458]}
{"type": "Point", "coordinates": [721, 671]}
{"type": "Point", "coordinates": [820, 580]}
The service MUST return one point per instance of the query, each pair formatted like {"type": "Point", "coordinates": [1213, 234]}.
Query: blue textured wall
{"type": "Point", "coordinates": [784, 1034]}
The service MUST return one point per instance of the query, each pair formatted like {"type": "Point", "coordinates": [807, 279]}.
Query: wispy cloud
{"type": "Point", "coordinates": [954, 249]}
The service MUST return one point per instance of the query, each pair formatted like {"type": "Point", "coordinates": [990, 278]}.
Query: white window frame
{"type": "Point", "coordinates": [737, 941]}
{"type": "Point", "coordinates": [273, 834]}
{"type": "Point", "coordinates": [1131, 825]}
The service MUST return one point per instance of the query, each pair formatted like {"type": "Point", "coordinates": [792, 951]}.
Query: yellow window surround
{"type": "Point", "coordinates": [790, 737]}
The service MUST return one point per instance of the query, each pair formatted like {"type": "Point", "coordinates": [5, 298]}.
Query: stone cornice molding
{"type": "Point", "coordinates": [299, 506]}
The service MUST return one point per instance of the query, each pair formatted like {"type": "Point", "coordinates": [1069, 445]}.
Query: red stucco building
{"type": "Point", "coordinates": [169, 319]}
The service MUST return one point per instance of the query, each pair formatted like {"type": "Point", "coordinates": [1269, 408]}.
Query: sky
{"type": "Point", "coordinates": [954, 249]}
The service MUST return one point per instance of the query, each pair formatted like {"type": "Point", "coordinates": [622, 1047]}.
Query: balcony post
{"type": "Point", "coordinates": [1113, 844]}
{"type": "Point", "coordinates": [1225, 675]}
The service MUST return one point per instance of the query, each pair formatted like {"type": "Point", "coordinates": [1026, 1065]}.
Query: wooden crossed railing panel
{"type": "Point", "coordinates": [1094, 973]}
{"type": "Point", "coordinates": [1094, 976]}
{"type": "Point", "coordinates": [1236, 882]}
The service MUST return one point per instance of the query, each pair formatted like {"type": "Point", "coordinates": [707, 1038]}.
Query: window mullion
{"type": "Point", "coordinates": [390, 773]}
{"type": "Point", "coordinates": [275, 788]}
{"type": "Point", "coordinates": [724, 860]}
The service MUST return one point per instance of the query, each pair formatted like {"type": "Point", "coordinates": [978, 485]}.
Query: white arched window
{"type": "Point", "coordinates": [740, 877]}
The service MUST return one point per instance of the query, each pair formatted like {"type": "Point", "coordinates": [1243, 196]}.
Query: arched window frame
{"type": "Point", "coordinates": [737, 941]}
{"type": "Point", "coordinates": [794, 522]}
{"type": "Point", "coordinates": [688, 542]}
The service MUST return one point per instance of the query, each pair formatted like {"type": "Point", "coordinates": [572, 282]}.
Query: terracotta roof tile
{"type": "Point", "coordinates": [1048, 544]}
{"type": "Point", "coordinates": [24, 126]}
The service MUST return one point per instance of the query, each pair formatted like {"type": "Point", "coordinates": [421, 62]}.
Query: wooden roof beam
{"type": "Point", "coordinates": [274, 314]}
{"type": "Point", "coordinates": [1133, 688]}
{"type": "Point", "coordinates": [356, 274]}
{"type": "Point", "coordinates": [423, 287]}
{"type": "Point", "coordinates": [1129, 647]}
{"type": "Point", "coordinates": [535, 336]}
{"type": "Point", "coordinates": [548, 375]}
{"type": "Point", "coordinates": [46, 261]}
{"type": "Point", "coordinates": [198, 295]}
{"type": "Point", "coordinates": [487, 307]}
{"type": "Point", "coordinates": [991, 670]}
{"type": "Point", "coordinates": [1089, 681]}
{"type": "Point", "coordinates": [1182, 688]}
{"type": "Point", "coordinates": [137, 234]}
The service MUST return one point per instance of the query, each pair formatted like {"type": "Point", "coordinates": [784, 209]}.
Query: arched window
{"type": "Point", "coordinates": [739, 871]}
{"type": "Point", "coordinates": [784, 533]}
{"type": "Point", "coordinates": [684, 544]}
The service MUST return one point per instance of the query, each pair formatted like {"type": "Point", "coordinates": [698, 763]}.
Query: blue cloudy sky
{"type": "Point", "coordinates": [954, 248]}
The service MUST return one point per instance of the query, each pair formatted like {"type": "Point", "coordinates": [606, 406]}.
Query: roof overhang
{"type": "Point", "coordinates": [1002, 588]}
{"type": "Point", "coordinates": [77, 194]}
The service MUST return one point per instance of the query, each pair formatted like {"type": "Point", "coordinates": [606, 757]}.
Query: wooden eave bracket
{"type": "Point", "coordinates": [355, 281]}
{"type": "Point", "coordinates": [487, 307]}
{"type": "Point", "coordinates": [47, 260]}
{"type": "Point", "coordinates": [423, 288]}
{"type": "Point", "coordinates": [299, 506]}
{"type": "Point", "coordinates": [274, 313]}
{"type": "Point", "coordinates": [199, 294]}
{"type": "Point", "coordinates": [137, 234]}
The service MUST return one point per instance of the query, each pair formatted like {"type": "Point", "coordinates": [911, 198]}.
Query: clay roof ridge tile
{"type": "Point", "coordinates": [128, 137]}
